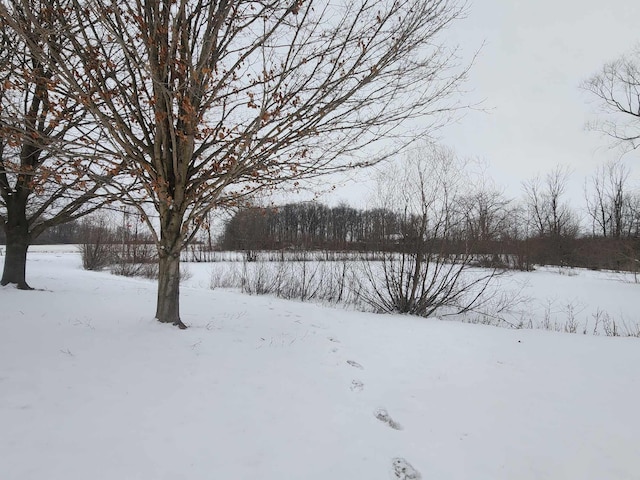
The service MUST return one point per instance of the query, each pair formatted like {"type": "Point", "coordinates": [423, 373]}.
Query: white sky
{"type": "Point", "coordinates": [528, 73]}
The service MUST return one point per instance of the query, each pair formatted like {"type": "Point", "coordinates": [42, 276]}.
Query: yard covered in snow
{"type": "Point", "coordinates": [261, 388]}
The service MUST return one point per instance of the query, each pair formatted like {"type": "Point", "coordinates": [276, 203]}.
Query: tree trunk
{"type": "Point", "coordinates": [168, 306]}
{"type": "Point", "coordinates": [18, 239]}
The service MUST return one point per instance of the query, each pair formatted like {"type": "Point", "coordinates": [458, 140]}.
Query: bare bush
{"type": "Point", "coordinates": [225, 276]}
{"type": "Point", "coordinates": [327, 282]}
{"type": "Point", "coordinates": [129, 269]}
{"type": "Point", "coordinates": [96, 247]}
{"type": "Point", "coordinates": [261, 280]}
{"type": "Point", "coordinates": [135, 259]}
{"type": "Point", "coordinates": [433, 269]}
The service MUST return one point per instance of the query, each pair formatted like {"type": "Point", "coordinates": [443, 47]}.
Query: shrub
{"type": "Point", "coordinates": [96, 247]}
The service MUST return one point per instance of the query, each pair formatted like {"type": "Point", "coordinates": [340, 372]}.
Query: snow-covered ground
{"type": "Point", "coordinates": [261, 388]}
{"type": "Point", "coordinates": [576, 300]}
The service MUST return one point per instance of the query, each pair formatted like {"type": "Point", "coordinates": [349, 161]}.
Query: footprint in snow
{"type": "Point", "coordinates": [356, 386]}
{"type": "Point", "coordinates": [382, 415]}
{"type": "Point", "coordinates": [402, 470]}
{"type": "Point", "coordinates": [355, 364]}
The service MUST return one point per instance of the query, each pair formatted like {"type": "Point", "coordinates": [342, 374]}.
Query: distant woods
{"type": "Point", "coordinates": [57, 234]}
{"type": "Point", "coordinates": [311, 226]}
{"type": "Point", "coordinates": [499, 232]}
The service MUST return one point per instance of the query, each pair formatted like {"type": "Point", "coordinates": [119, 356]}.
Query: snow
{"type": "Point", "coordinates": [261, 388]}
{"type": "Point", "coordinates": [555, 298]}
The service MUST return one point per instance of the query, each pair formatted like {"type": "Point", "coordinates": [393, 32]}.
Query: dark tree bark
{"type": "Point", "coordinates": [16, 222]}
{"type": "Point", "coordinates": [16, 229]}
{"type": "Point", "coordinates": [168, 304]}
{"type": "Point", "coordinates": [169, 248]}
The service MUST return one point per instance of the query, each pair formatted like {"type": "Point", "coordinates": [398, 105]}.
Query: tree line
{"type": "Point", "coordinates": [539, 228]}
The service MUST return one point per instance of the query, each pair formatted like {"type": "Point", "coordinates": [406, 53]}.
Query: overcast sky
{"type": "Point", "coordinates": [535, 55]}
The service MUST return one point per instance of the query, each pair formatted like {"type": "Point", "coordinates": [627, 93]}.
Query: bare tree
{"type": "Point", "coordinates": [607, 203]}
{"type": "Point", "coordinates": [632, 214]}
{"type": "Point", "coordinates": [206, 102]}
{"type": "Point", "coordinates": [551, 216]}
{"type": "Point", "coordinates": [48, 175]}
{"type": "Point", "coordinates": [617, 88]}
{"type": "Point", "coordinates": [552, 224]}
{"type": "Point", "coordinates": [485, 208]}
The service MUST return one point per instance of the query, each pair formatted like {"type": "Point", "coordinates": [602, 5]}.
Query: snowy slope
{"type": "Point", "coordinates": [260, 388]}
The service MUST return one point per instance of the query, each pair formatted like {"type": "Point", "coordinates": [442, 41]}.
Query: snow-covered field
{"type": "Point", "coordinates": [91, 387]}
